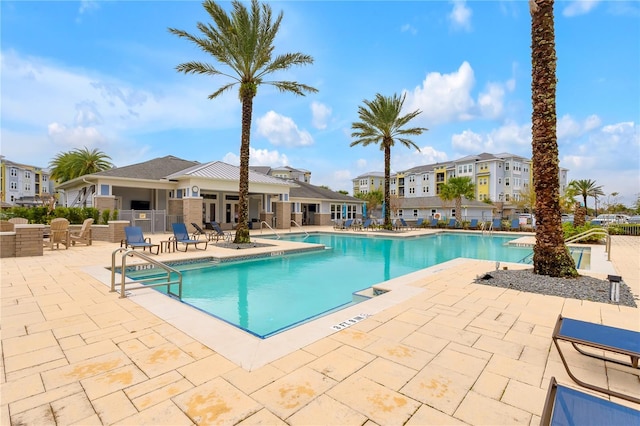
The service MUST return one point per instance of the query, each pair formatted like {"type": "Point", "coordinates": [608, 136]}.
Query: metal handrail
{"type": "Point", "coordinates": [268, 226]}
{"type": "Point", "coordinates": [589, 233]}
{"type": "Point", "coordinates": [296, 224]}
{"type": "Point", "coordinates": [127, 252]}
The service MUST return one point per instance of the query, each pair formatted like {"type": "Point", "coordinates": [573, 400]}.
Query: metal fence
{"type": "Point", "coordinates": [151, 221]}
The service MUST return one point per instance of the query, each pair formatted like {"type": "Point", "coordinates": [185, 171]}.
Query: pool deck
{"type": "Point", "coordinates": [437, 349]}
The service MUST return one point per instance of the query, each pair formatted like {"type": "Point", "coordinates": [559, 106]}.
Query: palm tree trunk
{"type": "Point", "coordinates": [242, 229]}
{"type": "Point", "coordinates": [550, 255]}
{"type": "Point", "coordinates": [387, 185]}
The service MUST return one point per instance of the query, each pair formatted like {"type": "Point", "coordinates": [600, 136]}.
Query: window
{"type": "Point", "coordinates": [453, 212]}
{"type": "Point", "coordinates": [13, 185]}
{"type": "Point", "coordinates": [412, 178]}
{"type": "Point", "coordinates": [412, 190]}
{"type": "Point", "coordinates": [27, 186]}
{"type": "Point", "coordinates": [506, 165]}
{"type": "Point", "coordinates": [13, 172]}
{"type": "Point", "coordinates": [499, 180]}
{"type": "Point", "coordinates": [415, 213]}
{"type": "Point", "coordinates": [460, 170]}
{"type": "Point", "coordinates": [506, 181]}
{"type": "Point", "coordinates": [27, 174]}
{"type": "Point", "coordinates": [506, 197]}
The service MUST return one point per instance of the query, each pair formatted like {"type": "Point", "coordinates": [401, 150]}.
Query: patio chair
{"type": "Point", "coordinates": [496, 225]}
{"type": "Point", "coordinates": [347, 224]}
{"type": "Point", "coordinates": [473, 224]}
{"type": "Point", "coordinates": [515, 225]}
{"type": "Point", "coordinates": [419, 223]}
{"type": "Point", "coordinates": [59, 233]}
{"type": "Point", "coordinates": [218, 233]}
{"type": "Point", "coordinates": [135, 239]}
{"type": "Point", "coordinates": [433, 223]}
{"type": "Point", "coordinates": [403, 224]}
{"type": "Point", "coordinates": [19, 220]}
{"type": "Point", "coordinates": [369, 224]}
{"type": "Point", "coordinates": [84, 235]}
{"type": "Point", "coordinates": [601, 338]}
{"type": "Point", "coordinates": [199, 231]}
{"type": "Point", "coordinates": [567, 406]}
{"type": "Point", "coordinates": [452, 223]}
{"type": "Point", "coordinates": [181, 236]}
{"type": "Point", "coordinates": [6, 226]}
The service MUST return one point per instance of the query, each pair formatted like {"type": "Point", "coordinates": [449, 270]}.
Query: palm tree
{"type": "Point", "coordinates": [243, 41]}
{"type": "Point", "coordinates": [550, 254]}
{"type": "Point", "coordinates": [585, 188]}
{"type": "Point", "coordinates": [455, 189]}
{"type": "Point", "coordinates": [79, 162]}
{"type": "Point", "coordinates": [381, 123]}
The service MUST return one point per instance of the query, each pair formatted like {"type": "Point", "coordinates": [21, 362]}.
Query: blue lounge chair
{"type": "Point", "coordinates": [473, 224]}
{"type": "Point", "coordinates": [347, 224]}
{"type": "Point", "coordinates": [368, 224]}
{"type": "Point", "coordinates": [496, 225]}
{"type": "Point", "coordinates": [452, 223]}
{"type": "Point", "coordinates": [567, 406]}
{"type": "Point", "coordinates": [515, 225]}
{"type": "Point", "coordinates": [135, 239]}
{"type": "Point", "coordinates": [181, 236]}
{"type": "Point", "coordinates": [401, 224]}
{"type": "Point", "coordinates": [434, 223]}
{"type": "Point", "coordinates": [601, 338]}
{"type": "Point", "coordinates": [419, 223]}
{"type": "Point", "coordinates": [218, 233]}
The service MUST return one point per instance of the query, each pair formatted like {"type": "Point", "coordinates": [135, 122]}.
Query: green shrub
{"type": "Point", "coordinates": [106, 214]}
{"type": "Point", "coordinates": [571, 231]}
{"type": "Point", "coordinates": [115, 214]}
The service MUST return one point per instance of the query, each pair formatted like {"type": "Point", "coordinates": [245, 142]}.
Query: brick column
{"type": "Point", "coordinates": [29, 240]}
{"type": "Point", "coordinates": [283, 213]}
{"type": "Point", "coordinates": [116, 230]}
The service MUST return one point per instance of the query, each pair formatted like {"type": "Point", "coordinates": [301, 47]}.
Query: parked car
{"type": "Point", "coordinates": [607, 219]}
{"type": "Point", "coordinates": [634, 219]}
{"type": "Point", "coordinates": [567, 218]}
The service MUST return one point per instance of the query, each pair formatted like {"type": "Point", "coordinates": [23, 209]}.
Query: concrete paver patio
{"type": "Point", "coordinates": [438, 349]}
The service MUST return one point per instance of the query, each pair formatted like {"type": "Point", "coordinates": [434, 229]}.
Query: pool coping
{"type": "Point", "coordinates": [252, 352]}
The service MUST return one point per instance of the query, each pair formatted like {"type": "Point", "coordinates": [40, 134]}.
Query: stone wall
{"type": "Point", "coordinates": [26, 240]}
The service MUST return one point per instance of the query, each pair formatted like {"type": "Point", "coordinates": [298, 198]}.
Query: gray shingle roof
{"type": "Point", "coordinates": [155, 169]}
{"type": "Point", "coordinates": [306, 190]}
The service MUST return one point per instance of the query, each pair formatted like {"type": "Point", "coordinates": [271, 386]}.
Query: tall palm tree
{"type": "Point", "coordinates": [550, 255]}
{"type": "Point", "coordinates": [243, 41]}
{"type": "Point", "coordinates": [79, 162]}
{"type": "Point", "coordinates": [381, 123]}
{"type": "Point", "coordinates": [585, 188]}
{"type": "Point", "coordinates": [455, 189]}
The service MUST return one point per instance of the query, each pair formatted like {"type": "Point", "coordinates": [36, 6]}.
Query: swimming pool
{"type": "Point", "coordinates": [269, 295]}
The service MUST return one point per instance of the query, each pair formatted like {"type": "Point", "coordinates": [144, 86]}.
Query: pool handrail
{"type": "Point", "coordinates": [269, 226]}
{"type": "Point", "coordinates": [127, 252]}
{"type": "Point", "coordinates": [301, 228]}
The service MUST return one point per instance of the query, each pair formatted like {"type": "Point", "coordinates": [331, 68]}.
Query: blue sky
{"type": "Point", "coordinates": [102, 75]}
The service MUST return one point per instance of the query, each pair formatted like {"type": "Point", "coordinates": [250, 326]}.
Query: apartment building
{"type": "Point", "coordinates": [499, 178]}
{"type": "Point", "coordinates": [22, 184]}
{"type": "Point", "coordinates": [368, 182]}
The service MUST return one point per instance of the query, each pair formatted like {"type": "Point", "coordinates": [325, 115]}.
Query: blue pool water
{"type": "Point", "coordinates": [269, 295]}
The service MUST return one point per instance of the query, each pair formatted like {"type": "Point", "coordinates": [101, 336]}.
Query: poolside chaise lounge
{"type": "Point", "coordinates": [452, 223]}
{"type": "Point", "coordinates": [181, 236]}
{"type": "Point", "coordinates": [135, 239]}
{"type": "Point", "coordinates": [568, 406]}
{"type": "Point", "coordinates": [515, 225]}
{"type": "Point", "coordinates": [601, 338]}
{"type": "Point", "coordinates": [419, 223]}
{"type": "Point", "coordinates": [218, 233]}
{"type": "Point", "coordinates": [199, 231]}
{"type": "Point", "coordinates": [434, 223]}
{"type": "Point", "coordinates": [84, 235]}
{"type": "Point", "coordinates": [473, 224]}
{"type": "Point", "coordinates": [347, 224]}
{"type": "Point", "coordinates": [496, 225]}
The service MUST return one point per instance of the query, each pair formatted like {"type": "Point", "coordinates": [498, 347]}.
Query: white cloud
{"type": "Point", "coordinates": [491, 101]}
{"type": "Point", "coordinates": [568, 128]}
{"type": "Point", "coordinates": [403, 159]}
{"type": "Point", "coordinates": [510, 137]}
{"type": "Point", "coordinates": [443, 97]}
{"type": "Point", "coordinates": [460, 16]}
{"type": "Point", "coordinates": [579, 7]}
{"type": "Point", "coordinates": [282, 131]}
{"type": "Point", "coordinates": [259, 157]}
{"type": "Point", "coordinates": [321, 114]}
{"type": "Point", "coordinates": [361, 164]}
{"type": "Point", "coordinates": [78, 136]}
{"type": "Point", "coordinates": [408, 28]}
